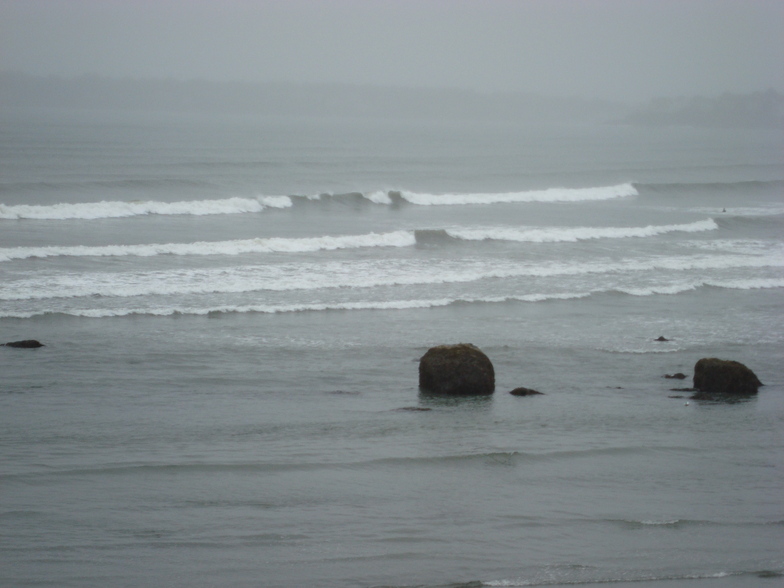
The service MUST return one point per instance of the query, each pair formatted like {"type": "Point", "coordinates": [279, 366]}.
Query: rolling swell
{"type": "Point", "coordinates": [126, 184]}
{"type": "Point", "coordinates": [679, 188]}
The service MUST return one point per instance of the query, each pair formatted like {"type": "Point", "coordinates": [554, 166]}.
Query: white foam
{"type": "Point", "coordinates": [566, 234]}
{"type": "Point", "coordinates": [236, 247]}
{"type": "Point", "coordinates": [119, 209]}
{"type": "Point", "coordinates": [301, 275]}
{"type": "Point", "coordinates": [547, 195]}
{"type": "Point", "coordinates": [275, 201]}
{"type": "Point", "coordinates": [286, 308]}
{"type": "Point", "coordinates": [379, 197]}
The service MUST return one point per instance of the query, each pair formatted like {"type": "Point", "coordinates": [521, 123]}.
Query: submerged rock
{"type": "Point", "coordinates": [26, 344]}
{"type": "Point", "coordinates": [678, 376]}
{"type": "Point", "coordinates": [456, 370]}
{"type": "Point", "coordinates": [662, 338]}
{"type": "Point", "coordinates": [525, 392]}
{"type": "Point", "coordinates": [721, 376]}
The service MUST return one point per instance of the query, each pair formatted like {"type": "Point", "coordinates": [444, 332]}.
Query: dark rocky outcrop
{"type": "Point", "coordinates": [26, 344]}
{"type": "Point", "coordinates": [456, 370]}
{"type": "Point", "coordinates": [662, 338]}
{"type": "Point", "coordinates": [678, 376]}
{"type": "Point", "coordinates": [724, 377]}
{"type": "Point", "coordinates": [524, 392]}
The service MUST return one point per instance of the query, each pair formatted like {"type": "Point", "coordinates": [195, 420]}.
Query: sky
{"type": "Point", "coordinates": [609, 49]}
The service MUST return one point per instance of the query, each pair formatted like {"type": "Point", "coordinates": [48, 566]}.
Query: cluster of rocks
{"type": "Point", "coordinates": [464, 370]}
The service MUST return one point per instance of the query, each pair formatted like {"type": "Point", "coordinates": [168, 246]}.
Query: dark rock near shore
{"type": "Point", "coordinates": [725, 377]}
{"type": "Point", "coordinates": [678, 376]}
{"type": "Point", "coordinates": [524, 392]}
{"type": "Point", "coordinates": [662, 338]}
{"type": "Point", "coordinates": [456, 370]}
{"type": "Point", "coordinates": [26, 344]}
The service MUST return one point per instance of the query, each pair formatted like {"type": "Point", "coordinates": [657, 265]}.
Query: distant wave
{"type": "Point", "coordinates": [116, 209]}
{"type": "Point", "coordinates": [237, 205]}
{"type": "Point", "coordinates": [127, 184]}
{"type": "Point", "coordinates": [329, 243]}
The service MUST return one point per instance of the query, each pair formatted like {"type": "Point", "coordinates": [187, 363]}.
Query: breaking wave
{"type": "Point", "coordinates": [329, 243]}
{"type": "Point", "coordinates": [117, 209]}
{"type": "Point", "coordinates": [233, 247]}
{"type": "Point", "coordinates": [547, 195]}
{"type": "Point", "coordinates": [557, 234]}
{"type": "Point", "coordinates": [238, 205]}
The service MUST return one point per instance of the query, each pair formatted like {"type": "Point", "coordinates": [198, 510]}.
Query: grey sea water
{"type": "Point", "coordinates": [233, 310]}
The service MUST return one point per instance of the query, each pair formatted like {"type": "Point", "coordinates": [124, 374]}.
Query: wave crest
{"type": "Point", "coordinates": [546, 195]}
{"type": "Point", "coordinates": [118, 209]}
{"type": "Point", "coordinates": [403, 238]}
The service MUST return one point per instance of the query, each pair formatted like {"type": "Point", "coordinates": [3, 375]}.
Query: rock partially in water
{"type": "Point", "coordinates": [26, 344]}
{"type": "Point", "coordinates": [724, 377]}
{"type": "Point", "coordinates": [525, 392]}
{"type": "Point", "coordinates": [456, 370]}
{"type": "Point", "coordinates": [678, 376]}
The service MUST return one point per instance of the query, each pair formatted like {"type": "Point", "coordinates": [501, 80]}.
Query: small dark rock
{"type": "Point", "coordinates": [661, 338]}
{"type": "Point", "coordinates": [678, 376]}
{"type": "Point", "coordinates": [524, 392]}
{"type": "Point", "coordinates": [769, 574]}
{"type": "Point", "coordinates": [720, 376]}
{"type": "Point", "coordinates": [456, 370]}
{"type": "Point", "coordinates": [26, 344]}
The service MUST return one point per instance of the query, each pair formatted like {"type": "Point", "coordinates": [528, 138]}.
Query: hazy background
{"type": "Point", "coordinates": [609, 49]}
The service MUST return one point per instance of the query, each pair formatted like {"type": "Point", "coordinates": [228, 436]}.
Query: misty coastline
{"type": "Point", "coordinates": [293, 99]}
{"type": "Point", "coordinates": [19, 90]}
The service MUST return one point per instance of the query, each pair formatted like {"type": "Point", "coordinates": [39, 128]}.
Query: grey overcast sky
{"type": "Point", "coordinates": [627, 50]}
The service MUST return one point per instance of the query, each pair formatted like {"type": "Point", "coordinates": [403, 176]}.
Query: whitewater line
{"type": "Point", "coordinates": [391, 305]}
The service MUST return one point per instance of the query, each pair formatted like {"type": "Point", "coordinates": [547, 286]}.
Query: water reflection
{"type": "Point", "coordinates": [430, 400]}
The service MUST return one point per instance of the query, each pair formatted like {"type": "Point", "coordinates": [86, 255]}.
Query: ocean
{"type": "Point", "coordinates": [233, 309]}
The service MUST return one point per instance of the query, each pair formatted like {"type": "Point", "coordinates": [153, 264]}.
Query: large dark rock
{"type": "Point", "coordinates": [456, 370]}
{"type": "Point", "coordinates": [721, 376]}
{"type": "Point", "coordinates": [26, 344]}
